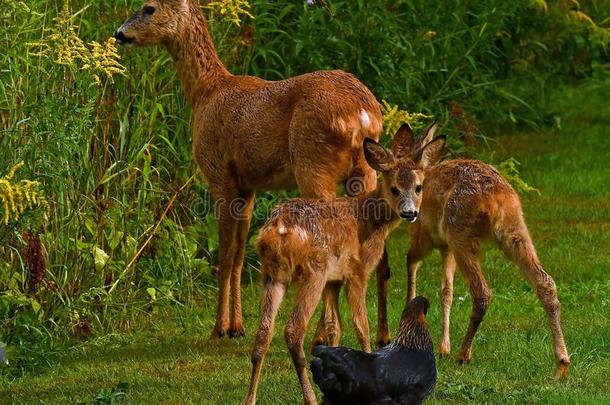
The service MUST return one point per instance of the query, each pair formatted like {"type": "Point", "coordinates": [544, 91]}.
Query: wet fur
{"type": "Point", "coordinates": [251, 134]}
{"type": "Point", "coordinates": [466, 202]}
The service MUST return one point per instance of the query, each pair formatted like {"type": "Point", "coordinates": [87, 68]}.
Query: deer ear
{"type": "Point", "coordinates": [378, 157]}
{"type": "Point", "coordinates": [404, 141]}
{"type": "Point", "coordinates": [428, 134]}
{"type": "Point", "coordinates": [432, 152]}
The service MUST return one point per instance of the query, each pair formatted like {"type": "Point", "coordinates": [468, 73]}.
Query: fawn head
{"type": "Point", "coordinates": [154, 23]}
{"type": "Point", "coordinates": [403, 168]}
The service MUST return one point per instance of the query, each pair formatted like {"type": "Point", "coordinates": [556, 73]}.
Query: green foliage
{"type": "Point", "coordinates": [510, 170]}
{"type": "Point", "coordinates": [111, 396]}
{"type": "Point", "coordinates": [108, 140]}
{"type": "Point", "coordinates": [497, 59]}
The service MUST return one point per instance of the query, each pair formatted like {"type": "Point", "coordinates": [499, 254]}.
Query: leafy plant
{"type": "Point", "coordinates": [111, 396]}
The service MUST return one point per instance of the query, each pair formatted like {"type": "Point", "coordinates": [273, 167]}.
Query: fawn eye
{"type": "Point", "coordinates": [395, 191]}
{"type": "Point", "coordinates": [418, 188]}
{"type": "Point", "coordinates": [150, 10]}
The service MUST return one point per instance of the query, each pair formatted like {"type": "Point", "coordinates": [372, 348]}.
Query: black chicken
{"type": "Point", "coordinates": [403, 372]}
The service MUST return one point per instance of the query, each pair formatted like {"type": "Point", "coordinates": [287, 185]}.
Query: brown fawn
{"type": "Point", "coordinates": [466, 202]}
{"type": "Point", "coordinates": [251, 134]}
{"type": "Point", "coordinates": [335, 241]}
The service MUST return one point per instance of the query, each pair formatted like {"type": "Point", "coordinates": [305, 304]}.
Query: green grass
{"type": "Point", "coordinates": [170, 359]}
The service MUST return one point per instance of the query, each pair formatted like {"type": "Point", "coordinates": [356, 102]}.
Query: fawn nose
{"type": "Point", "coordinates": [409, 215]}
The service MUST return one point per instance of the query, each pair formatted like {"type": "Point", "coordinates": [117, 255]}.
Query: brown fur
{"type": "Point", "coordinates": [251, 134]}
{"type": "Point", "coordinates": [315, 243]}
{"type": "Point", "coordinates": [464, 203]}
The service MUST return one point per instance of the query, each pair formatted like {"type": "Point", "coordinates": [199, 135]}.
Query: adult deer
{"type": "Point", "coordinates": [337, 241]}
{"type": "Point", "coordinates": [251, 134]}
{"type": "Point", "coordinates": [466, 202]}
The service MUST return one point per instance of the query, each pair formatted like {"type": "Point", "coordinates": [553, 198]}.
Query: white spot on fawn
{"type": "Point", "coordinates": [302, 233]}
{"type": "Point", "coordinates": [365, 120]}
{"type": "Point", "coordinates": [282, 230]}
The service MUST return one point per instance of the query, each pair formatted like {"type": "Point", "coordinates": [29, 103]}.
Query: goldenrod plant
{"type": "Point", "coordinates": [65, 47]}
{"type": "Point", "coordinates": [234, 10]}
{"type": "Point", "coordinates": [17, 197]}
{"type": "Point", "coordinates": [394, 117]}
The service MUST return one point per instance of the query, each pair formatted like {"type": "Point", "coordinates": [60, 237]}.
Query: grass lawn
{"type": "Point", "coordinates": [172, 361]}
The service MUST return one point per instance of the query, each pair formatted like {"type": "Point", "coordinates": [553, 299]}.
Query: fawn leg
{"type": "Point", "coordinates": [468, 261]}
{"type": "Point", "coordinates": [383, 276]}
{"type": "Point", "coordinates": [241, 210]}
{"type": "Point", "coordinates": [518, 246]}
{"type": "Point", "coordinates": [356, 298]}
{"type": "Point", "coordinates": [328, 331]}
{"type": "Point", "coordinates": [446, 294]}
{"type": "Point", "coordinates": [421, 245]}
{"type": "Point", "coordinates": [273, 293]}
{"type": "Point", "coordinates": [321, 185]}
{"type": "Point", "coordinates": [308, 296]}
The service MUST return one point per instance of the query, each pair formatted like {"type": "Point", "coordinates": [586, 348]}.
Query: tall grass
{"type": "Point", "coordinates": [127, 225]}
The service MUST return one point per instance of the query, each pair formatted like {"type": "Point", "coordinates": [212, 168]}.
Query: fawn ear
{"type": "Point", "coordinates": [428, 134]}
{"type": "Point", "coordinates": [378, 157]}
{"type": "Point", "coordinates": [404, 141]}
{"type": "Point", "coordinates": [432, 152]}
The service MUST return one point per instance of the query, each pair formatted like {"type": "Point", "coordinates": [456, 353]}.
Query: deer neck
{"type": "Point", "coordinates": [199, 67]}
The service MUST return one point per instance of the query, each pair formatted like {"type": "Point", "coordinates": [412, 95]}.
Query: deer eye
{"type": "Point", "coordinates": [150, 10]}
{"type": "Point", "coordinates": [395, 191]}
{"type": "Point", "coordinates": [418, 188]}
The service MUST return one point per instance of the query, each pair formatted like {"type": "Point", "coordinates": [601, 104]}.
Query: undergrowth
{"type": "Point", "coordinates": [112, 224]}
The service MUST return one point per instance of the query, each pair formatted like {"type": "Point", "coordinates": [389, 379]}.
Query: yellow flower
{"type": "Point", "coordinates": [65, 47]}
{"type": "Point", "coordinates": [234, 9]}
{"type": "Point", "coordinates": [393, 118]}
{"type": "Point", "coordinates": [430, 35]}
{"type": "Point", "coordinates": [16, 198]}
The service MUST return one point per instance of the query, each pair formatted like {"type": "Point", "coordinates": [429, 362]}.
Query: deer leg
{"type": "Point", "coordinates": [356, 298]}
{"type": "Point", "coordinates": [273, 293]}
{"type": "Point", "coordinates": [241, 210]}
{"type": "Point", "coordinates": [446, 295]}
{"type": "Point", "coordinates": [308, 296]}
{"type": "Point", "coordinates": [227, 228]}
{"type": "Point", "coordinates": [383, 276]}
{"type": "Point", "coordinates": [468, 261]}
{"type": "Point", "coordinates": [518, 246]}
{"type": "Point", "coordinates": [328, 331]}
{"type": "Point", "coordinates": [421, 245]}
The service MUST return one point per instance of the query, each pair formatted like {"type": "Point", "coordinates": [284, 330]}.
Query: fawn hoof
{"type": "Point", "coordinates": [463, 361]}
{"type": "Point", "coordinates": [561, 372]}
{"type": "Point", "coordinates": [444, 350]}
{"type": "Point", "coordinates": [443, 354]}
{"type": "Point", "coordinates": [320, 339]}
{"type": "Point", "coordinates": [383, 342]}
{"type": "Point", "coordinates": [236, 332]}
{"type": "Point", "coordinates": [464, 357]}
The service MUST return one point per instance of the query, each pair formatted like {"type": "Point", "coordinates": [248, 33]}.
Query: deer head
{"type": "Point", "coordinates": [156, 22]}
{"type": "Point", "coordinates": [403, 168]}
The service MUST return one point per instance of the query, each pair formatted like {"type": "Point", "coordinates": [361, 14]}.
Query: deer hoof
{"type": "Point", "coordinates": [562, 370]}
{"type": "Point", "coordinates": [218, 332]}
{"type": "Point", "coordinates": [236, 332]}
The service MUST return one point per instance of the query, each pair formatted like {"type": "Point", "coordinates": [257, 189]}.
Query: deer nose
{"type": "Point", "coordinates": [409, 215]}
{"type": "Point", "coordinates": [121, 38]}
